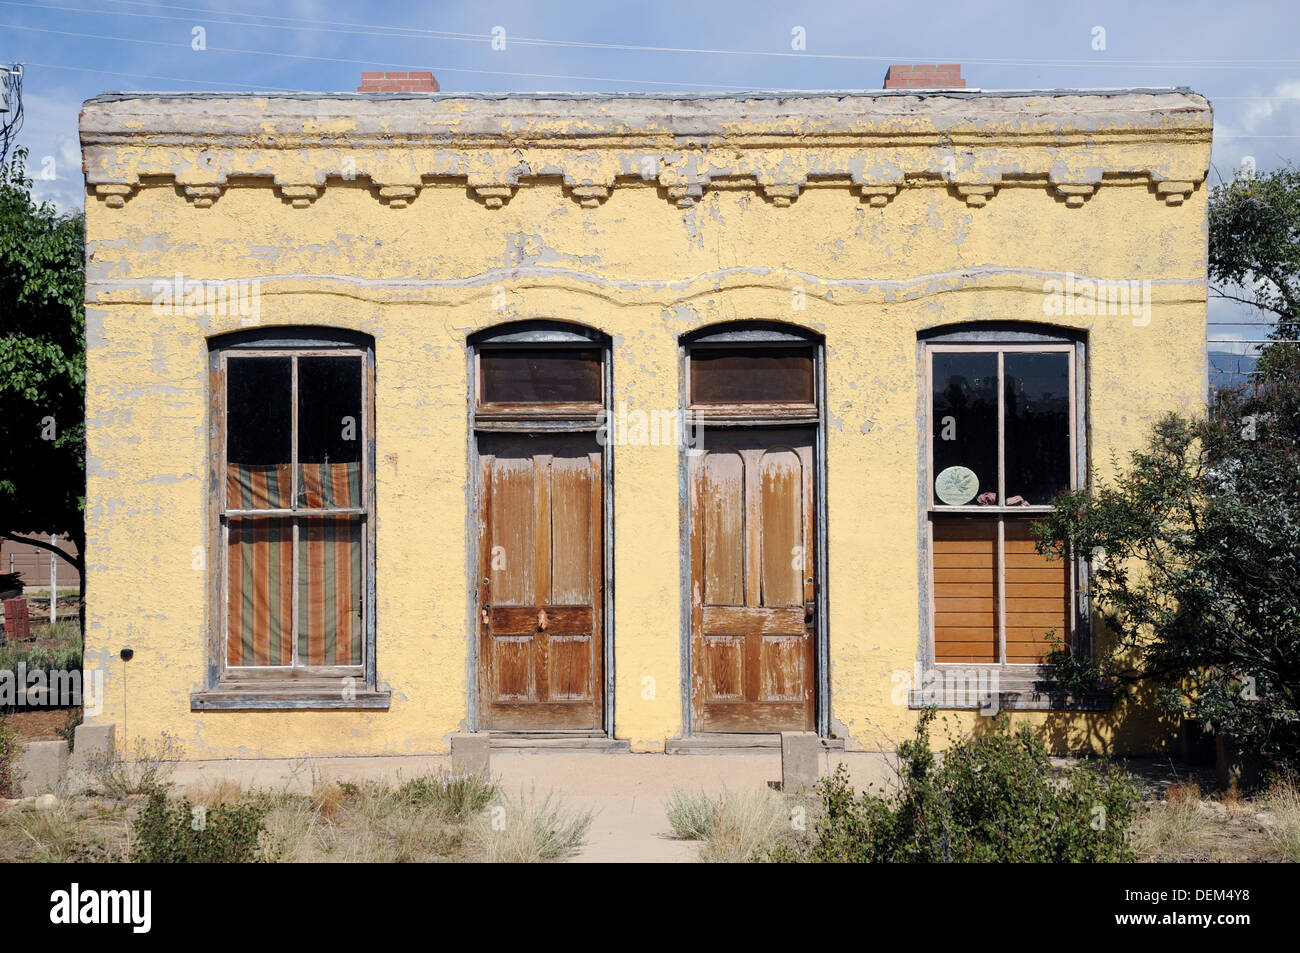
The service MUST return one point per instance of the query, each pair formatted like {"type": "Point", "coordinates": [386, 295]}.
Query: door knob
{"type": "Point", "coordinates": [542, 620]}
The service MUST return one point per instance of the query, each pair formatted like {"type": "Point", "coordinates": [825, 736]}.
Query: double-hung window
{"type": "Point", "coordinates": [295, 514]}
{"type": "Point", "coordinates": [1003, 440]}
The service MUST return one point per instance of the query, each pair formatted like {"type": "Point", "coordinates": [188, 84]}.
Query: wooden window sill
{"type": "Point", "coordinates": [298, 694]}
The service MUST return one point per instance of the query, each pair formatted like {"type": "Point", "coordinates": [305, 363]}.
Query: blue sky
{"type": "Point", "coordinates": [1243, 55]}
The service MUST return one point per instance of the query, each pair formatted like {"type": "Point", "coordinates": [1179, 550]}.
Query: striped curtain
{"type": "Point", "coordinates": [258, 487]}
{"type": "Point", "coordinates": [260, 630]}
{"type": "Point", "coordinates": [329, 591]}
{"type": "Point", "coordinates": [325, 485]}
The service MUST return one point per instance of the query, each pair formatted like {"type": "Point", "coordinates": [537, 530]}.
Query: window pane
{"type": "Point", "coordinates": [1037, 431]}
{"type": "Point", "coordinates": [330, 623]}
{"type": "Point", "coordinates": [329, 432]}
{"type": "Point", "coordinates": [541, 376]}
{"type": "Point", "coordinates": [753, 375]}
{"type": "Point", "coordinates": [259, 564]}
{"type": "Point", "coordinates": [258, 432]}
{"type": "Point", "coordinates": [964, 428]}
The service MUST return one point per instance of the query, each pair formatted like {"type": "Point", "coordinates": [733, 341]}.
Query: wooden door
{"type": "Point", "coordinates": [753, 581]}
{"type": "Point", "coordinates": [541, 583]}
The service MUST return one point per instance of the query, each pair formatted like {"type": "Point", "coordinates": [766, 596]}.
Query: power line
{"type": "Point", "coordinates": [419, 32]}
{"type": "Point", "coordinates": [168, 79]}
{"type": "Point", "coordinates": [371, 63]}
{"type": "Point", "coordinates": [372, 29]}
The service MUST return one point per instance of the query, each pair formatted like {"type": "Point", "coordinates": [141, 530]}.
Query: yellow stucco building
{"type": "Point", "coordinates": [651, 419]}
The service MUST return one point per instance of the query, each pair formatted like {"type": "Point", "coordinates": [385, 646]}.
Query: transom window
{"type": "Point", "coordinates": [749, 369]}
{"type": "Point", "coordinates": [295, 509]}
{"type": "Point", "coordinates": [1002, 440]}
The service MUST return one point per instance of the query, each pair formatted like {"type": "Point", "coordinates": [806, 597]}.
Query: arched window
{"type": "Point", "coordinates": [293, 501]}
{"type": "Point", "coordinates": [1004, 409]}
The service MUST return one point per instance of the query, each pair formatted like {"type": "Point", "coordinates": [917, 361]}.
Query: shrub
{"type": "Point", "coordinates": [175, 832]}
{"type": "Point", "coordinates": [743, 826]}
{"type": "Point", "coordinates": [992, 797]}
{"type": "Point", "coordinates": [10, 752]}
{"type": "Point", "coordinates": [529, 830]}
{"type": "Point", "coordinates": [146, 772]}
{"type": "Point", "coordinates": [691, 813]}
{"type": "Point", "coordinates": [456, 797]}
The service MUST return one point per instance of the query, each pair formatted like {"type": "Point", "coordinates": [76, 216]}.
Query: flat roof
{"type": "Point", "coordinates": [965, 93]}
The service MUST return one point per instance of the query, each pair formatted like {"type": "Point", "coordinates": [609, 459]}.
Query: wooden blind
{"type": "Point", "coordinates": [965, 590]}
{"type": "Point", "coordinates": [967, 616]}
{"type": "Point", "coordinates": [1037, 594]}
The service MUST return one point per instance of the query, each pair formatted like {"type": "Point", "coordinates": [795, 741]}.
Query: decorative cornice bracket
{"type": "Point", "coordinates": [300, 196]}
{"type": "Point", "coordinates": [1075, 193]}
{"type": "Point", "coordinates": [114, 194]}
{"type": "Point", "coordinates": [1175, 193]}
{"type": "Point", "coordinates": [877, 196]}
{"type": "Point", "coordinates": [782, 194]}
{"type": "Point", "coordinates": [398, 196]}
{"type": "Point", "coordinates": [976, 195]}
{"type": "Point", "coordinates": [202, 196]}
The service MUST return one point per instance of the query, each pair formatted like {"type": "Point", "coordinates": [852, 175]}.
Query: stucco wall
{"type": "Point", "coordinates": [649, 260]}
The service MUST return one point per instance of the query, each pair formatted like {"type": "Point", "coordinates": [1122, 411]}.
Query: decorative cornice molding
{"type": "Point", "coordinates": [1069, 144]}
{"type": "Point", "coordinates": [684, 195]}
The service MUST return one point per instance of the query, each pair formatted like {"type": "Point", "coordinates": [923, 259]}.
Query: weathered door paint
{"type": "Point", "coordinates": [753, 581]}
{"type": "Point", "coordinates": [540, 664]}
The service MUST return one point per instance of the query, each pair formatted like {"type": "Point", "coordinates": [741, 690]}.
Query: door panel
{"type": "Point", "coordinates": [753, 581]}
{"type": "Point", "coordinates": [541, 585]}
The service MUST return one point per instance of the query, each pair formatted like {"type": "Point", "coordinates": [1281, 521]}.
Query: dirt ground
{"type": "Point", "coordinates": [43, 724]}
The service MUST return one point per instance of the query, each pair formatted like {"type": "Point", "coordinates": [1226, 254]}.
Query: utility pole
{"type": "Point", "coordinates": [11, 106]}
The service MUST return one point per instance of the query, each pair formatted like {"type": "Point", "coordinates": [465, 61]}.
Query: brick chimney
{"type": "Point", "coordinates": [938, 76]}
{"type": "Point", "coordinates": [415, 81]}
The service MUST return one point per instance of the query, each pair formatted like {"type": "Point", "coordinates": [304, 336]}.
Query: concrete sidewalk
{"type": "Point", "coordinates": [628, 791]}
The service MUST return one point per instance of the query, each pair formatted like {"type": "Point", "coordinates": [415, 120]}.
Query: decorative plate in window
{"type": "Point", "coordinates": [956, 486]}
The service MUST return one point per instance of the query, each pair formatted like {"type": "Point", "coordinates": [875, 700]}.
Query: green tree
{"type": "Point", "coordinates": [1195, 543]}
{"type": "Point", "coordinates": [42, 366]}
{"type": "Point", "coordinates": [1195, 554]}
{"type": "Point", "coordinates": [1255, 250]}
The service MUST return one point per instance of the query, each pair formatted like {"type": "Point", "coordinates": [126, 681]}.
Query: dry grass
{"type": "Point", "coordinates": [213, 794]}
{"type": "Point", "coordinates": [358, 823]}
{"type": "Point", "coordinates": [1282, 805]}
{"type": "Point", "coordinates": [743, 825]}
{"type": "Point", "coordinates": [1172, 825]}
{"type": "Point", "coordinates": [75, 831]}
{"type": "Point", "coordinates": [733, 827]}
{"type": "Point", "coordinates": [527, 829]}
